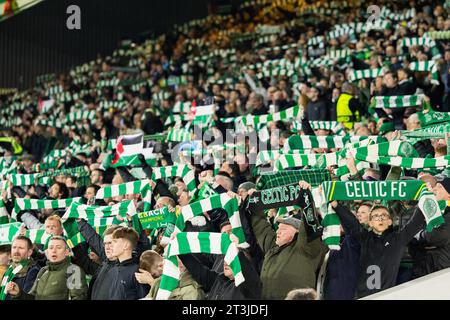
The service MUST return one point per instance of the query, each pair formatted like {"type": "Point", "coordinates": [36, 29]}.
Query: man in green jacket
{"type": "Point", "coordinates": [290, 261]}
{"type": "Point", "coordinates": [58, 280]}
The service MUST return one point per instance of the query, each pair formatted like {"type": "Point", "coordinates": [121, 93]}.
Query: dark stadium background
{"type": "Point", "coordinates": [37, 41]}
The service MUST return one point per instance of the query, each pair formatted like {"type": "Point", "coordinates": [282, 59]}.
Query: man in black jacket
{"type": "Point", "coordinates": [100, 287]}
{"type": "Point", "coordinates": [124, 283]}
{"type": "Point", "coordinates": [431, 250]}
{"type": "Point", "coordinates": [381, 247]}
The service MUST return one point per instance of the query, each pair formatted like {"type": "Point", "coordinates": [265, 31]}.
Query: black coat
{"type": "Point", "coordinates": [221, 287]}
{"type": "Point", "coordinates": [124, 285]}
{"type": "Point", "coordinates": [431, 252]}
{"type": "Point", "coordinates": [379, 251]}
{"type": "Point", "coordinates": [106, 277]}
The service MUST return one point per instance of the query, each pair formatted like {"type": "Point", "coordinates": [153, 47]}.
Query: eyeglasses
{"type": "Point", "coordinates": [380, 217]}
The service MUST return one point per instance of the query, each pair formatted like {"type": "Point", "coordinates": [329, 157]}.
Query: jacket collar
{"type": "Point", "coordinates": [54, 266]}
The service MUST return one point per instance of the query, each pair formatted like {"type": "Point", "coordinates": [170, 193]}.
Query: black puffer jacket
{"type": "Point", "coordinates": [431, 252]}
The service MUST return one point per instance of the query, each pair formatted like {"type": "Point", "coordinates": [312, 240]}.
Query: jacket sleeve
{"type": "Point", "coordinates": [24, 295]}
{"type": "Point", "coordinates": [93, 239]}
{"type": "Point", "coordinates": [306, 127]}
{"type": "Point", "coordinates": [125, 174]}
{"type": "Point", "coordinates": [30, 278]}
{"type": "Point", "coordinates": [414, 225]}
{"type": "Point", "coordinates": [31, 222]}
{"type": "Point", "coordinates": [83, 261]}
{"type": "Point", "coordinates": [439, 237]}
{"type": "Point", "coordinates": [143, 242]}
{"type": "Point", "coordinates": [203, 275]}
{"type": "Point", "coordinates": [264, 233]}
{"type": "Point", "coordinates": [79, 291]}
{"type": "Point", "coordinates": [252, 286]}
{"type": "Point", "coordinates": [350, 222]}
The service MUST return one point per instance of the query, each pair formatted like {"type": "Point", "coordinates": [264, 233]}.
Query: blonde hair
{"type": "Point", "coordinates": [54, 217]}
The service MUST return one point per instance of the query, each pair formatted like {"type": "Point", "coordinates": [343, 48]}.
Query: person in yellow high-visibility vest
{"type": "Point", "coordinates": [348, 107]}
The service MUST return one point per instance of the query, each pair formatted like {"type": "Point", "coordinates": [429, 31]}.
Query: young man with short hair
{"type": "Point", "coordinates": [125, 284]}
{"type": "Point", "coordinates": [59, 280]}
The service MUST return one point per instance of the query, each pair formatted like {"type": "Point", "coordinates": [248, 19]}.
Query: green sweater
{"type": "Point", "coordinates": [54, 282]}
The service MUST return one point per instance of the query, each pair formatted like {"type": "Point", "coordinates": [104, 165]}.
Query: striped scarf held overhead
{"type": "Point", "coordinates": [255, 121]}
{"type": "Point", "coordinates": [302, 142]}
{"type": "Point", "coordinates": [426, 66]}
{"type": "Point", "coordinates": [21, 204]}
{"type": "Point", "coordinates": [197, 242]}
{"type": "Point", "coordinates": [370, 190]}
{"type": "Point", "coordinates": [411, 163]}
{"type": "Point", "coordinates": [392, 102]}
{"type": "Point", "coordinates": [224, 201]}
{"type": "Point", "coordinates": [9, 275]}
{"type": "Point", "coordinates": [133, 187]}
{"type": "Point", "coordinates": [20, 180]}
{"type": "Point", "coordinates": [265, 156]}
{"type": "Point", "coordinates": [183, 171]}
{"type": "Point", "coordinates": [365, 74]}
{"type": "Point", "coordinates": [433, 117]}
{"type": "Point", "coordinates": [179, 135]}
{"type": "Point", "coordinates": [8, 232]}
{"type": "Point", "coordinates": [4, 216]}
{"type": "Point", "coordinates": [83, 211]}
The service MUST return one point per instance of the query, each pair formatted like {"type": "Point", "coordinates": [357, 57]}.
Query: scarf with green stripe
{"type": "Point", "coordinates": [255, 121]}
{"type": "Point", "coordinates": [9, 275]}
{"type": "Point", "coordinates": [301, 142]}
{"type": "Point", "coordinates": [20, 180]}
{"type": "Point", "coordinates": [433, 117]}
{"type": "Point", "coordinates": [197, 242]}
{"type": "Point", "coordinates": [4, 217]}
{"type": "Point", "coordinates": [21, 204]}
{"type": "Point", "coordinates": [426, 66]}
{"type": "Point", "coordinates": [183, 171]}
{"type": "Point", "coordinates": [224, 201]}
{"type": "Point", "coordinates": [411, 163]}
{"type": "Point", "coordinates": [392, 102]}
{"type": "Point", "coordinates": [133, 187]}
{"type": "Point", "coordinates": [83, 211]}
{"type": "Point", "coordinates": [179, 135]}
{"type": "Point", "coordinates": [364, 74]}
{"type": "Point", "coordinates": [369, 190]}
{"type": "Point", "coordinates": [8, 232]}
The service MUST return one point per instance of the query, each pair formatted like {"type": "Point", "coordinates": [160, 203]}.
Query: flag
{"type": "Point", "coordinates": [45, 105]}
{"type": "Point", "coordinates": [128, 148]}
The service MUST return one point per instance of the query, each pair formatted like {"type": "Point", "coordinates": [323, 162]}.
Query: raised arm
{"type": "Point", "coordinates": [349, 221]}
{"type": "Point", "coordinates": [93, 239]}
{"type": "Point", "coordinates": [203, 275]}
{"type": "Point", "coordinates": [414, 225]}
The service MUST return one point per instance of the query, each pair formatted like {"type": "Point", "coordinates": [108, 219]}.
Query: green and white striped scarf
{"type": "Point", "coordinates": [21, 204]}
{"type": "Point", "coordinates": [285, 115]}
{"type": "Point", "coordinates": [83, 211]}
{"type": "Point", "coordinates": [369, 190]}
{"type": "Point", "coordinates": [133, 187]}
{"type": "Point", "coordinates": [197, 242]}
{"type": "Point", "coordinates": [393, 102]}
{"type": "Point", "coordinates": [179, 135]}
{"type": "Point", "coordinates": [19, 180]}
{"type": "Point", "coordinates": [4, 217]}
{"type": "Point", "coordinates": [80, 115]}
{"type": "Point", "coordinates": [8, 232]}
{"type": "Point", "coordinates": [302, 142]}
{"type": "Point", "coordinates": [266, 156]}
{"type": "Point", "coordinates": [38, 236]}
{"type": "Point", "coordinates": [10, 274]}
{"type": "Point", "coordinates": [433, 117]}
{"type": "Point", "coordinates": [230, 205]}
{"type": "Point", "coordinates": [411, 163]}
{"type": "Point", "coordinates": [181, 170]}
{"type": "Point", "coordinates": [364, 74]}
{"type": "Point", "coordinates": [426, 66]}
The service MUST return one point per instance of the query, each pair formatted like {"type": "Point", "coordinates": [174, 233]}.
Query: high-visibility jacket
{"type": "Point", "coordinates": [343, 112]}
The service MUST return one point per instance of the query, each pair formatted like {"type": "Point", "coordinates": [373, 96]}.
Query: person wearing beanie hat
{"type": "Point", "coordinates": [431, 250]}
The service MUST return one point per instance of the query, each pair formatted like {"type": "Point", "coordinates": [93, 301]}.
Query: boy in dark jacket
{"type": "Point", "coordinates": [381, 247]}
